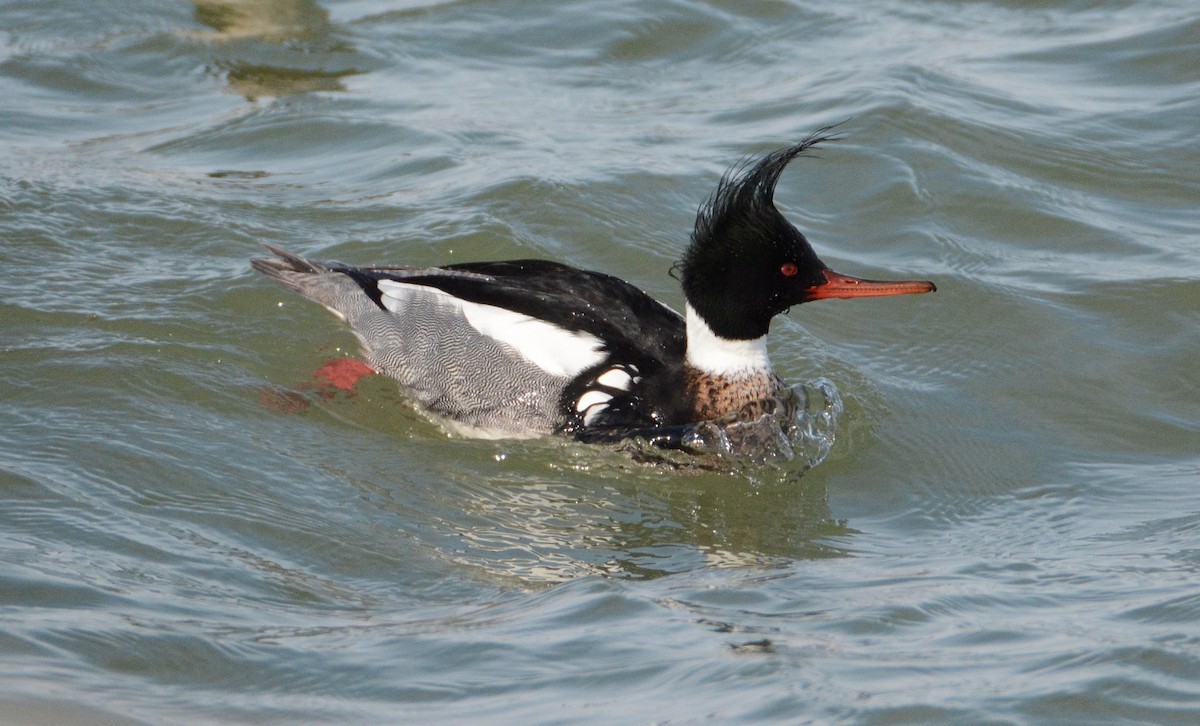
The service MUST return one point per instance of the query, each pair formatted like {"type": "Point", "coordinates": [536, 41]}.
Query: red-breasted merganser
{"type": "Point", "coordinates": [533, 347]}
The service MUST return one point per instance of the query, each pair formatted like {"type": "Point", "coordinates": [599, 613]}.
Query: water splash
{"type": "Point", "coordinates": [790, 432]}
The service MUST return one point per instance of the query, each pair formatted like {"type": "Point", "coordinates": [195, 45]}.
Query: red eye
{"type": "Point", "coordinates": [788, 269]}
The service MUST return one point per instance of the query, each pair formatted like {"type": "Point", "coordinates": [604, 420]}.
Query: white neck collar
{"type": "Point", "coordinates": [717, 356]}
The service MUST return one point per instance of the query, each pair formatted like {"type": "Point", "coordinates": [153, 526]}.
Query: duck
{"type": "Point", "coordinates": [534, 347]}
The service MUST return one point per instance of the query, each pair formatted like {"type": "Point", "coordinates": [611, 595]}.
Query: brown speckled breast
{"type": "Point", "coordinates": [716, 396]}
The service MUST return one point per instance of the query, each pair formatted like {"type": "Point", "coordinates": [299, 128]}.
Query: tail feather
{"type": "Point", "coordinates": [287, 268]}
{"type": "Point", "coordinates": [326, 283]}
{"type": "Point", "coordinates": [285, 261]}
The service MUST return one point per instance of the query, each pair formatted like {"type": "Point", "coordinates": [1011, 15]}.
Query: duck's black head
{"type": "Point", "coordinates": [746, 263]}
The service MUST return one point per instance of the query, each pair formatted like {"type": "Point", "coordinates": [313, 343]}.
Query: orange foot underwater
{"type": "Point", "coordinates": [334, 376]}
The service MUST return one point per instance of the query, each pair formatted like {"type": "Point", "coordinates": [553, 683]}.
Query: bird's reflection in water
{"type": "Point", "coordinates": [641, 528]}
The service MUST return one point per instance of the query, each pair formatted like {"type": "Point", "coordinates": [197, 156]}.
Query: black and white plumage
{"type": "Point", "coordinates": [533, 347]}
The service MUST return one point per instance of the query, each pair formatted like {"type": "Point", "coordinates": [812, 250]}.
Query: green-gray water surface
{"type": "Point", "coordinates": [1007, 529]}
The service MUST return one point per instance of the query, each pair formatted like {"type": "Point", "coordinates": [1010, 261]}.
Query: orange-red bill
{"type": "Point", "coordinates": [844, 287]}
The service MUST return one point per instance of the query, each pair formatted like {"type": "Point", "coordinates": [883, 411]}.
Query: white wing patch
{"type": "Point", "coordinates": [618, 378]}
{"type": "Point", "coordinates": [592, 398]}
{"type": "Point", "coordinates": [591, 405]}
{"type": "Point", "coordinates": [594, 401]}
{"type": "Point", "coordinates": [555, 350]}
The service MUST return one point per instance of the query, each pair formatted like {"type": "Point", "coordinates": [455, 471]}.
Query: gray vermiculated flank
{"type": "Point", "coordinates": [427, 345]}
